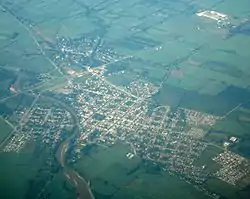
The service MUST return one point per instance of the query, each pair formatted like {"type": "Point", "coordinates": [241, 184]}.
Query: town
{"type": "Point", "coordinates": [40, 123]}
{"type": "Point", "coordinates": [234, 167]}
{"type": "Point", "coordinates": [107, 114]}
{"type": "Point", "coordinates": [84, 51]}
{"type": "Point", "coordinates": [124, 99]}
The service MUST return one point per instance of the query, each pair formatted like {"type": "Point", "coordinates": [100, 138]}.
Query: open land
{"type": "Point", "coordinates": [5, 129]}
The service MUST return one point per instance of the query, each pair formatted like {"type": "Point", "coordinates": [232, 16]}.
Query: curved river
{"type": "Point", "coordinates": [82, 187]}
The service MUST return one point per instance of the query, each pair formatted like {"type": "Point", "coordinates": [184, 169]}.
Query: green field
{"type": "Point", "coordinates": [23, 174]}
{"type": "Point", "coordinates": [103, 165]}
{"type": "Point", "coordinates": [113, 175]}
{"type": "Point", "coordinates": [206, 159]}
{"type": "Point", "coordinates": [14, 103]}
{"type": "Point", "coordinates": [220, 187]}
{"type": "Point", "coordinates": [59, 188]}
{"type": "Point", "coordinates": [159, 186]}
{"type": "Point", "coordinates": [5, 129]}
{"type": "Point", "coordinates": [22, 169]}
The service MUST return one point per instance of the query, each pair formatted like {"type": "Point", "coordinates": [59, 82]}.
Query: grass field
{"type": "Point", "coordinates": [59, 188]}
{"type": "Point", "coordinates": [103, 166]}
{"type": "Point", "coordinates": [14, 103]}
{"type": "Point", "coordinates": [16, 171]}
{"type": "Point", "coordinates": [223, 188]}
{"type": "Point", "coordinates": [20, 171]}
{"type": "Point", "coordinates": [113, 175]}
{"type": "Point", "coordinates": [18, 49]}
{"type": "Point", "coordinates": [206, 159]}
{"type": "Point", "coordinates": [5, 129]}
{"type": "Point", "coordinates": [160, 186]}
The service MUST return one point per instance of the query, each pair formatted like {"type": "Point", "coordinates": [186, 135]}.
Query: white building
{"type": "Point", "coordinates": [212, 15]}
{"type": "Point", "coordinates": [233, 139]}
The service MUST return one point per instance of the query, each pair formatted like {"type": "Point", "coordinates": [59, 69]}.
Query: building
{"type": "Point", "coordinates": [212, 15]}
{"type": "Point", "coordinates": [233, 139]}
{"type": "Point", "coordinates": [226, 144]}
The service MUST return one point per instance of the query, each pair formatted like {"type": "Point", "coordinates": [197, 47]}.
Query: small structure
{"type": "Point", "coordinates": [226, 144]}
{"type": "Point", "coordinates": [130, 155]}
{"type": "Point", "coordinates": [233, 139]}
{"type": "Point", "coordinates": [13, 89]}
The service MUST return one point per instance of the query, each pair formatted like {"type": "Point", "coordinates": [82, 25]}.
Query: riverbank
{"type": "Point", "coordinates": [82, 187]}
